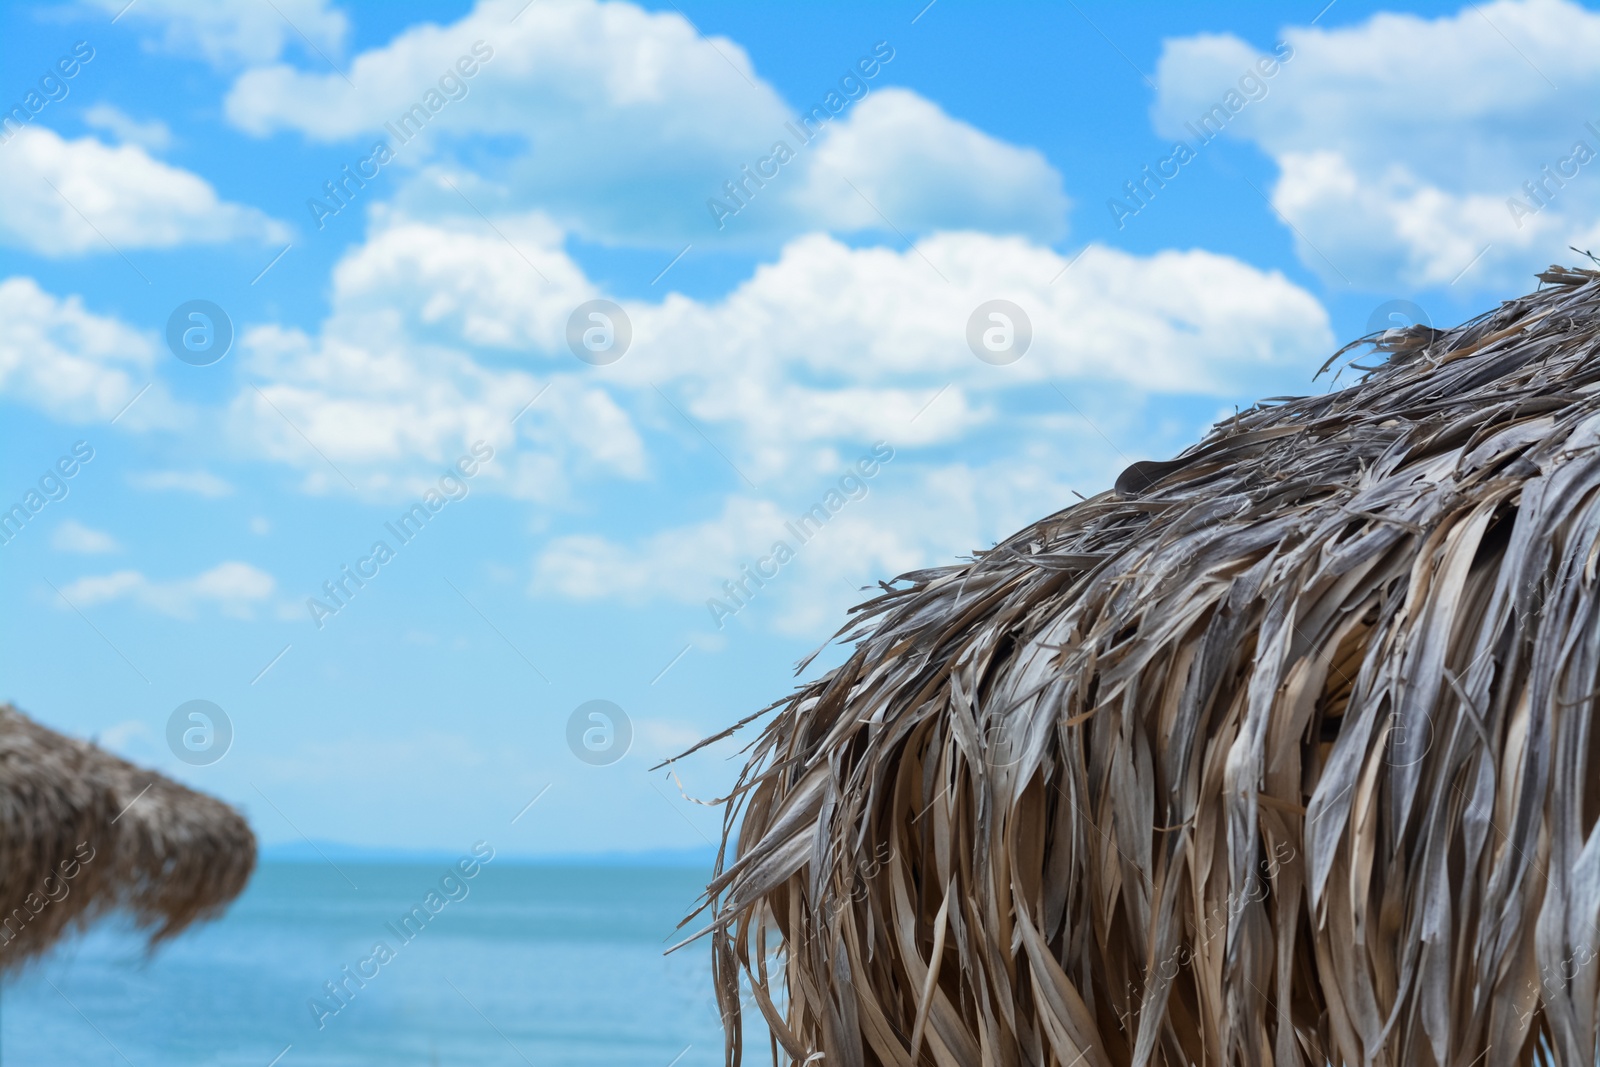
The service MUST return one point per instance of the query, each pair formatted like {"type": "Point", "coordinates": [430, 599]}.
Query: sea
{"type": "Point", "coordinates": [522, 965]}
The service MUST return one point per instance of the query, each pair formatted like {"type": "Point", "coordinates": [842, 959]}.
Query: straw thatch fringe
{"type": "Point", "coordinates": [1281, 752]}
{"type": "Point", "coordinates": [83, 832]}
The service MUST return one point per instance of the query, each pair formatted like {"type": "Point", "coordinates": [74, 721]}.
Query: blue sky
{"type": "Point", "coordinates": [1357, 155]}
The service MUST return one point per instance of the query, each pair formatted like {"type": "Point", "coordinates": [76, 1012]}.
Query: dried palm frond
{"type": "Point", "coordinates": [1282, 752]}
{"type": "Point", "coordinates": [83, 833]}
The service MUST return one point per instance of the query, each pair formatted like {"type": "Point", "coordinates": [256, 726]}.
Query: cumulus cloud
{"type": "Point", "coordinates": [67, 198]}
{"type": "Point", "coordinates": [711, 562]}
{"type": "Point", "coordinates": [899, 154]}
{"type": "Point", "coordinates": [855, 343]}
{"type": "Point", "coordinates": [627, 116]}
{"type": "Point", "coordinates": [73, 536]}
{"type": "Point", "coordinates": [908, 515]}
{"type": "Point", "coordinates": [1181, 322]}
{"type": "Point", "coordinates": [1403, 142]}
{"type": "Point", "coordinates": [126, 737]}
{"type": "Point", "coordinates": [452, 329]}
{"type": "Point", "coordinates": [858, 344]}
{"type": "Point", "coordinates": [233, 589]}
{"type": "Point", "coordinates": [442, 332]}
{"type": "Point", "coordinates": [72, 364]}
{"type": "Point", "coordinates": [196, 482]}
{"type": "Point", "coordinates": [426, 352]}
{"type": "Point", "coordinates": [233, 32]}
{"type": "Point", "coordinates": [1392, 226]}
{"type": "Point", "coordinates": [152, 135]}
{"type": "Point", "coordinates": [681, 563]}
{"type": "Point", "coordinates": [630, 124]}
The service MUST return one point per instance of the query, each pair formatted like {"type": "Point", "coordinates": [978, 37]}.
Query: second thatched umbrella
{"type": "Point", "coordinates": [83, 833]}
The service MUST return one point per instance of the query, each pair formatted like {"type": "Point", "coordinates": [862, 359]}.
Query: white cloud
{"type": "Point", "coordinates": [229, 32]}
{"type": "Point", "coordinates": [441, 332]}
{"type": "Point", "coordinates": [121, 737]}
{"type": "Point", "coordinates": [911, 515]}
{"type": "Point", "coordinates": [199, 482]}
{"type": "Point", "coordinates": [1399, 171]}
{"type": "Point", "coordinates": [899, 154]}
{"type": "Point", "coordinates": [629, 117]}
{"type": "Point", "coordinates": [73, 536]}
{"type": "Point", "coordinates": [854, 343]}
{"type": "Point", "coordinates": [71, 197]}
{"type": "Point", "coordinates": [632, 123]}
{"type": "Point", "coordinates": [233, 589]}
{"type": "Point", "coordinates": [1394, 226]}
{"type": "Point", "coordinates": [426, 351]}
{"type": "Point", "coordinates": [71, 363]}
{"type": "Point", "coordinates": [682, 564]}
{"type": "Point", "coordinates": [1173, 322]}
{"type": "Point", "coordinates": [152, 135]}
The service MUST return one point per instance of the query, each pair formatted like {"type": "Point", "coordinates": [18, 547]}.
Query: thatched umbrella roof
{"type": "Point", "coordinates": [83, 832]}
{"type": "Point", "coordinates": [1281, 752]}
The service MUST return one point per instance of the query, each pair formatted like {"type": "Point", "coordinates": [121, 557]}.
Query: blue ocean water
{"type": "Point", "coordinates": [534, 965]}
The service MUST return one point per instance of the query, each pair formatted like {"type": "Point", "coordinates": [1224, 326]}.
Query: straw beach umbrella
{"type": "Point", "coordinates": [83, 833]}
{"type": "Point", "coordinates": [1282, 752]}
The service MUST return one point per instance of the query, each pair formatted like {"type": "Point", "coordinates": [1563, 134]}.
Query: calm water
{"type": "Point", "coordinates": [536, 965]}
